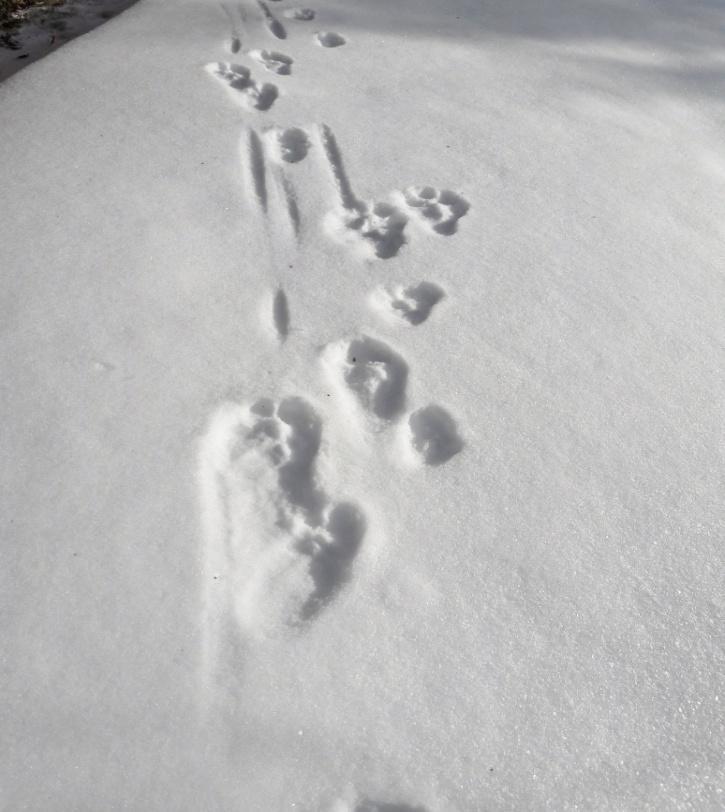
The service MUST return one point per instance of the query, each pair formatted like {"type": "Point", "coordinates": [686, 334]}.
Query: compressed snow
{"type": "Point", "coordinates": [363, 435]}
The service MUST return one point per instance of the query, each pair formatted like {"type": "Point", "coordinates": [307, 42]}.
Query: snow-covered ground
{"type": "Point", "coordinates": [362, 397]}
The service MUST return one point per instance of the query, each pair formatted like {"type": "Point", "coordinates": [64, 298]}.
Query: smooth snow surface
{"type": "Point", "coordinates": [363, 409]}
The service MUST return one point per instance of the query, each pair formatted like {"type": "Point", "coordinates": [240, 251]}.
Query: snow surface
{"type": "Point", "coordinates": [363, 421]}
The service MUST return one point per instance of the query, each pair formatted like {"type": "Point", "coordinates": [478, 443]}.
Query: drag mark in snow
{"type": "Point", "coordinates": [412, 304]}
{"type": "Point", "coordinates": [434, 435]}
{"type": "Point", "coordinates": [273, 24]}
{"type": "Point", "coordinates": [290, 197]}
{"type": "Point", "coordinates": [280, 314]}
{"type": "Point", "coordinates": [274, 61]}
{"type": "Point", "coordinates": [257, 168]}
{"type": "Point", "coordinates": [238, 79]}
{"type": "Point", "coordinates": [235, 40]}
{"type": "Point", "coordinates": [329, 39]}
{"type": "Point", "coordinates": [377, 226]}
{"type": "Point", "coordinates": [334, 159]}
{"type": "Point", "coordinates": [277, 547]}
{"type": "Point", "coordinates": [438, 209]}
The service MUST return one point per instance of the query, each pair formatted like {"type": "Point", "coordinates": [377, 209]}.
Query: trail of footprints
{"type": "Point", "coordinates": [238, 78]}
{"type": "Point", "coordinates": [282, 547]}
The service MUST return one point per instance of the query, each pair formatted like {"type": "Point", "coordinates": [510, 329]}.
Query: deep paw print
{"type": "Point", "coordinates": [440, 210]}
{"type": "Point", "coordinates": [238, 79]}
{"type": "Point", "coordinates": [373, 372]}
{"type": "Point", "coordinates": [434, 435]}
{"type": "Point", "coordinates": [290, 145]}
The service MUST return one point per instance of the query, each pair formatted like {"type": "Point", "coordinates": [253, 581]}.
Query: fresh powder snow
{"type": "Point", "coordinates": [363, 408]}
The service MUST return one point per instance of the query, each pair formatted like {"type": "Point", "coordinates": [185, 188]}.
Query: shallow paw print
{"type": "Point", "coordinates": [412, 305]}
{"type": "Point", "coordinates": [440, 210]}
{"type": "Point", "coordinates": [274, 61]}
{"type": "Point", "coordinates": [301, 14]}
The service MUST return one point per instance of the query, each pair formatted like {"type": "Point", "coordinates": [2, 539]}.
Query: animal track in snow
{"type": "Point", "coordinates": [235, 39]}
{"type": "Point", "coordinates": [329, 39]}
{"type": "Point", "coordinates": [337, 167]}
{"type": "Point", "coordinates": [273, 24]}
{"type": "Point", "coordinates": [257, 168]}
{"type": "Point", "coordinates": [440, 210]}
{"type": "Point", "coordinates": [412, 304]}
{"type": "Point", "coordinates": [274, 61]}
{"type": "Point", "coordinates": [238, 78]}
{"type": "Point", "coordinates": [380, 223]}
{"type": "Point", "coordinates": [281, 547]}
{"type": "Point", "coordinates": [290, 197]}
{"type": "Point", "coordinates": [374, 373]}
{"type": "Point", "coordinates": [302, 14]}
{"type": "Point", "coordinates": [434, 434]}
{"type": "Point", "coordinates": [293, 144]}
{"type": "Point", "coordinates": [377, 226]}
{"type": "Point", "coordinates": [280, 314]}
